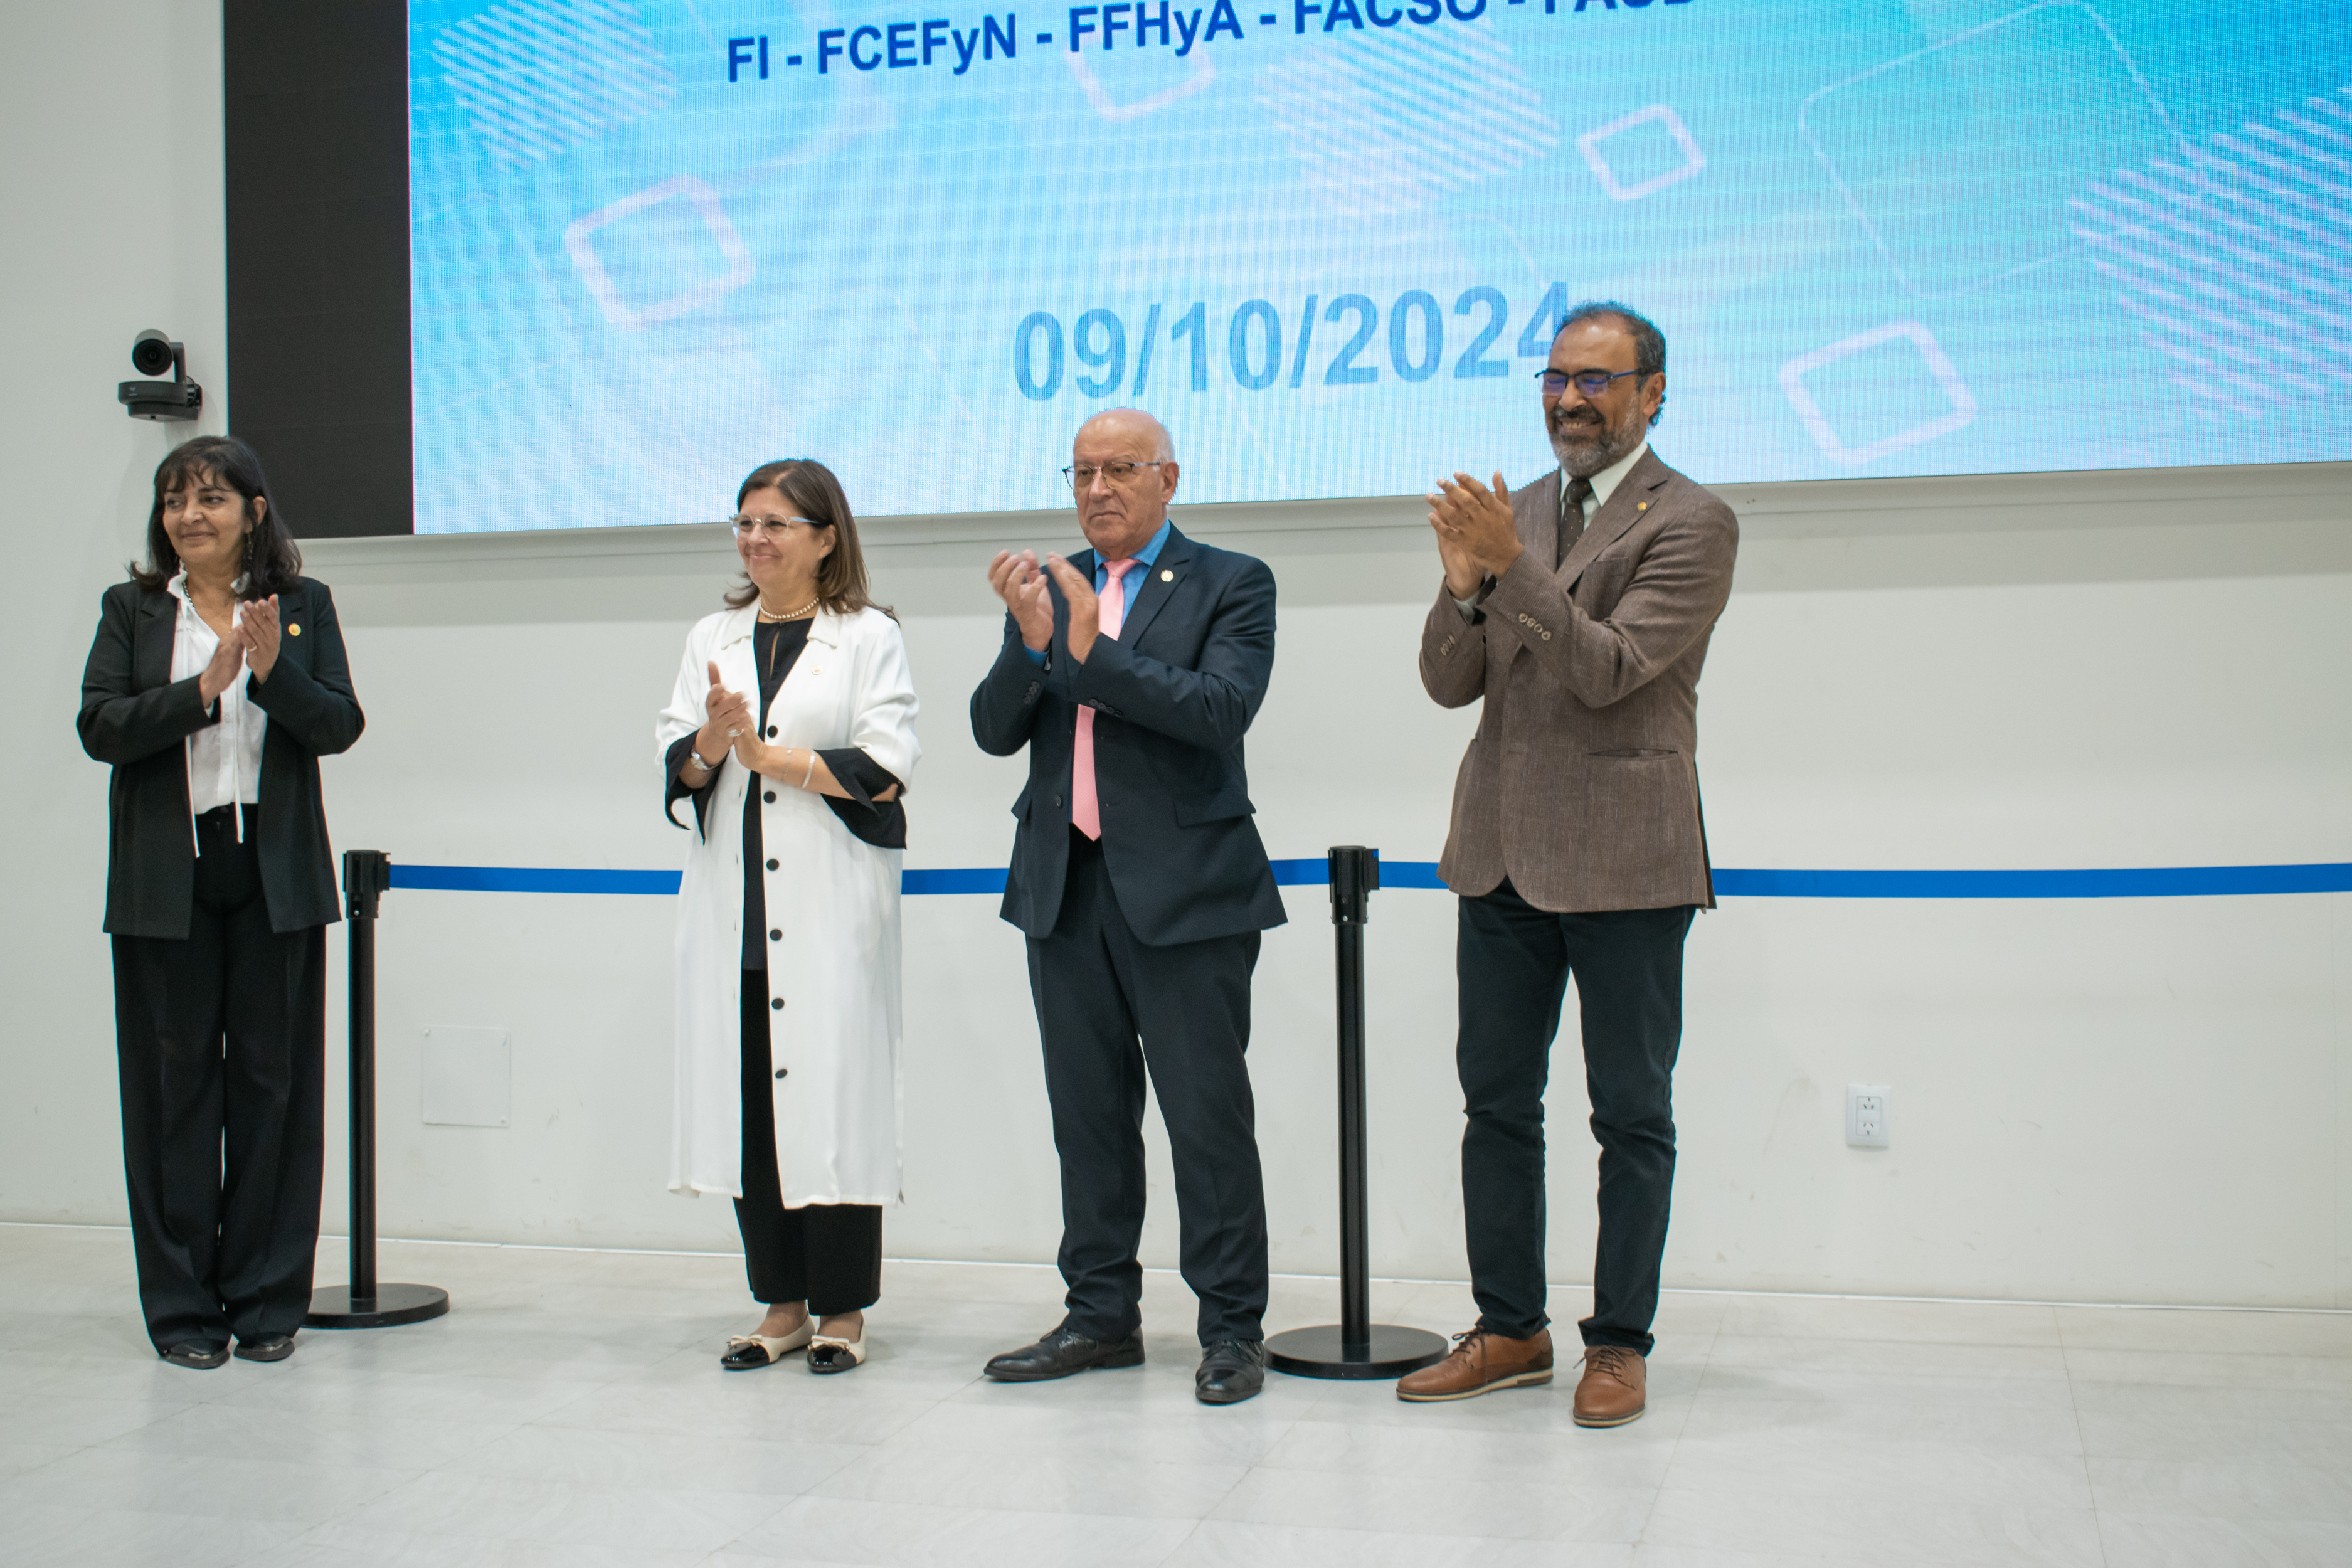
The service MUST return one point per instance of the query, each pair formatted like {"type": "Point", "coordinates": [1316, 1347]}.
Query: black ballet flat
{"type": "Point", "coordinates": [194, 1357]}
{"type": "Point", "coordinates": [266, 1347]}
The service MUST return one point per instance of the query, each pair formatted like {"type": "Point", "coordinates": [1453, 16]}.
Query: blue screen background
{"type": "Point", "coordinates": [1881, 239]}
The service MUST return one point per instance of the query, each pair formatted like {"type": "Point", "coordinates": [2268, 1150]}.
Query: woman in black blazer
{"type": "Point", "coordinates": [216, 682]}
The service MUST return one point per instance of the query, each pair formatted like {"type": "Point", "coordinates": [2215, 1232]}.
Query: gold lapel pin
{"type": "Point", "coordinates": [1166, 575]}
{"type": "Point", "coordinates": [1642, 506]}
{"type": "Point", "coordinates": [294, 631]}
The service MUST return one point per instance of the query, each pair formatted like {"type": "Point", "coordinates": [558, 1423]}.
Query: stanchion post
{"type": "Point", "coordinates": [1355, 1347]}
{"type": "Point", "coordinates": [1355, 873]}
{"type": "Point", "coordinates": [367, 873]}
{"type": "Point", "coordinates": [367, 1303]}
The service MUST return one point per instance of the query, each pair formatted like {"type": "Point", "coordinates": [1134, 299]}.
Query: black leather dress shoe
{"type": "Point", "coordinates": [1062, 1353]}
{"type": "Point", "coordinates": [195, 1355]}
{"type": "Point", "coordinates": [1231, 1370]}
{"type": "Point", "coordinates": [266, 1347]}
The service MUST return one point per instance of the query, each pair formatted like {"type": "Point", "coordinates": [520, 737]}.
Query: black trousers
{"type": "Point", "coordinates": [827, 1255]}
{"type": "Point", "coordinates": [1099, 991]}
{"type": "Point", "coordinates": [220, 1040]}
{"type": "Point", "coordinates": [1513, 962]}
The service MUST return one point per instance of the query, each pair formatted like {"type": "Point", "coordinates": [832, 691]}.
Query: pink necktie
{"type": "Point", "coordinates": [1085, 812]}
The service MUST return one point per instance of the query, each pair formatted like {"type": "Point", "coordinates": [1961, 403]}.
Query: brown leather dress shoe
{"type": "Point", "coordinates": [1480, 1363]}
{"type": "Point", "coordinates": [1614, 1388]}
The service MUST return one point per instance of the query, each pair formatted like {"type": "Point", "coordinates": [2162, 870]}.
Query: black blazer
{"type": "Point", "coordinates": [134, 716]}
{"type": "Point", "coordinates": [1172, 698]}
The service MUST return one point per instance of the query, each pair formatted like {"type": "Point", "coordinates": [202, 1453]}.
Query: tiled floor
{"type": "Point", "coordinates": [570, 1411]}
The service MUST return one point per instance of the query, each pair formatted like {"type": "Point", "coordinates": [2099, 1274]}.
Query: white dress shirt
{"type": "Point", "coordinates": [1604, 485]}
{"type": "Point", "coordinates": [223, 759]}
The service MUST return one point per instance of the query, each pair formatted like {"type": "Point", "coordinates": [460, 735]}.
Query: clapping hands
{"type": "Point", "coordinates": [728, 722]}
{"type": "Point", "coordinates": [1022, 586]}
{"type": "Point", "coordinates": [252, 644]}
{"type": "Point", "coordinates": [1477, 538]}
{"type": "Point", "coordinates": [262, 633]}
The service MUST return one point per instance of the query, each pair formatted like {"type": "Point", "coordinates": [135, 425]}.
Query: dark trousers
{"type": "Point", "coordinates": [1099, 991]}
{"type": "Point", "coordinates": [827, 1255]}
{"type": "Point", "coordinates": [1513, 962]}
{"type": "Point", "coordinates": [220, 1040]}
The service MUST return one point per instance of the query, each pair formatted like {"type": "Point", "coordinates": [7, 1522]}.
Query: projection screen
{"type": "Point", "coordinates": [1326, 240]}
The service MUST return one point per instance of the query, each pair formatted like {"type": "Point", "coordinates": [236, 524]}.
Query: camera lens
{"type": "Point", "coordinates": [151, 352]}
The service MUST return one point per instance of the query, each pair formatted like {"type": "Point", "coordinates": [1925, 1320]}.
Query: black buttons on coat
{"type": "Point", "coordinates": [771, 865]}
{"type": "Point", "coordinates": [777, 1003]}
{"type": "Point", "coordinates": [769, 797]}
{"type": "Point", "coordinates": [783, 1072]}
{"type": "Point", "coordinates": [1058, 800]}
{"type": "Point", "coordinates": [772, 731]}
{"type": "Point", "coordinates": [775, 936]}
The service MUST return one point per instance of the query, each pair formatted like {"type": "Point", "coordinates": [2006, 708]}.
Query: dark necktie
{"type": "Point", "coordinates": [1571, 516]}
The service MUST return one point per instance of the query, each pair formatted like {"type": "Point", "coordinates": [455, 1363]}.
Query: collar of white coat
{"type": "Point", "coordinates": [1605, 483]}
{"type": "Point", "coordinates": [825, 627]}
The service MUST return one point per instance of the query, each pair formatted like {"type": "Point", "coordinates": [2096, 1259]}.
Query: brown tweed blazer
{"type": "Point", "coordinates": [1581, 785]}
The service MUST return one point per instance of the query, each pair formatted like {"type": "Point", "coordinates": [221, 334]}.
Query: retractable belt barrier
{"type": "Point", "coordinates": [1355, 1347]}
{"type": "Point", "coordinates": [368, 1303]}
{"type": "Point", "coordinates": [1731, 882]}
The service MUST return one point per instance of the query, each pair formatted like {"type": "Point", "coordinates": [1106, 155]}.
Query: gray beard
{"type": "Point", "coordinates": [1582, 460]}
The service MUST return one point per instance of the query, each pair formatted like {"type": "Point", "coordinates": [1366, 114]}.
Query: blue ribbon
{"type": "Point", "coordinates": [2147, 882]}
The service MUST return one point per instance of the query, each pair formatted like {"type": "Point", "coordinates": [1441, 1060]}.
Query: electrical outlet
{"type": "Point", "coordinates": [1866, 1115]}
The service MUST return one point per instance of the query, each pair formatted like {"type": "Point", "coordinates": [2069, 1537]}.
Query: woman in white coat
{"type": "Point", "coordinates": [792, 732]}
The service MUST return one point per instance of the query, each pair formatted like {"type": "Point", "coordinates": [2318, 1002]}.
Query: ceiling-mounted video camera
{"type": "Point", "coordinates": [153, 354]}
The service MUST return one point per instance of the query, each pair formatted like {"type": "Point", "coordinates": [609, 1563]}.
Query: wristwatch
{"type": "Point", "coordinates": [707, 767]}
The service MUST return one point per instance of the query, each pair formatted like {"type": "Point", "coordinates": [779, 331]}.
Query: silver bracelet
{"type": "Point", "coordinates": [695, 757]}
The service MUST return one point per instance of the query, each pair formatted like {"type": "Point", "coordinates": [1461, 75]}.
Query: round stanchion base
{"type": "Point", "coordinates": [1318, 1352]}
{"type": "Point", "coordinates": [335, 1308]}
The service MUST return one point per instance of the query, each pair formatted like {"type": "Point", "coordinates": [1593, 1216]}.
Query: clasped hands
{"type": "Point", "coordinates": [1020, 581]}
{"type": "Point", "coordinates": [251, 644]}
{"type": "Point", "coordinates": [1476, 536]}
{"type": "Point", "coordinates": [731, 726]}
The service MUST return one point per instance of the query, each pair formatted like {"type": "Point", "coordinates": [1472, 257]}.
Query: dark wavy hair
{"type": "Point", "coordinates": [273, 561]}
{"type": "Point", "coordinates": [1649, 343]}
{"type": "Point", "coordinates": [816, 495]}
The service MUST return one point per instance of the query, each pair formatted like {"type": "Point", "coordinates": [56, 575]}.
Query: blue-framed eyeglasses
{"type": "Point", "coordinates": [1591, 383]}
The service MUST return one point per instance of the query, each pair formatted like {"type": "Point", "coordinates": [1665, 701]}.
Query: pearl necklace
{"type": "Point", "coordinates": [788, 614]}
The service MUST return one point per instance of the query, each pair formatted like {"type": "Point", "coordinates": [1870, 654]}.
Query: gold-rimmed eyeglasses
{"type": "Point", "coordinates": [1082, 474]}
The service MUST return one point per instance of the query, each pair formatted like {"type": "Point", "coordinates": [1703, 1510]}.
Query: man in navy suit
{"type": "Point", "coordinates": [1131, 673]}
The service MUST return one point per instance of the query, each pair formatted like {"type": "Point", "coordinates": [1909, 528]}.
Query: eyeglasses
{"type": "Point", "coordinates": [1591, 383]}
{"type": "Point", "coordinates": [1082, 474]}
{"type": "Point", "coordinates": [771, 527]}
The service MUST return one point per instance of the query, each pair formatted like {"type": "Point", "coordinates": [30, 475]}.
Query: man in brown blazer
{"type": "Point", "coordinates": [1579, 610]}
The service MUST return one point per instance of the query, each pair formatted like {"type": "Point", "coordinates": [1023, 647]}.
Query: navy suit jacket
{"type": "Point", "coordinates": [1172, 696]}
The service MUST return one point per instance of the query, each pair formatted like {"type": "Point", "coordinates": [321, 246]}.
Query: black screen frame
{"type": "Point", "coordinates": [316, 155]}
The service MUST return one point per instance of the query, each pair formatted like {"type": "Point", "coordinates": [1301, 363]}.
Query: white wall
{"type": "Point", "coordinates": [2145, 1099]}
{"type": "Point", "coordinates": [112, 227]}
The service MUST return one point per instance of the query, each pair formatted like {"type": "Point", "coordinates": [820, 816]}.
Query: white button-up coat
{"type": "Point", "coordinates": [834, 898]}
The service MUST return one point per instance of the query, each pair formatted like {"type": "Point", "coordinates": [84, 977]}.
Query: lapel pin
{"type": "Point", "coordinates": [294, 631]}
{"type": "Point", "coordinates": [1166, 575]}
{"type": "Point", "coordinates": [1642, 506]}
